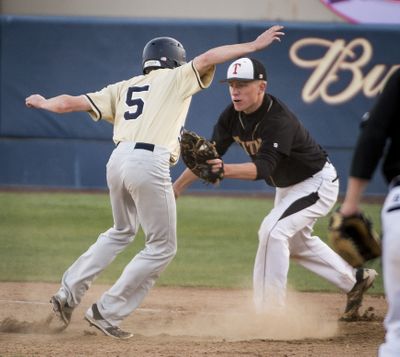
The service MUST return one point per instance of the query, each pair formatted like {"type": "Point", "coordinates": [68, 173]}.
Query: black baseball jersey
{"type": "Point", "coordinates": [380, 126]}
{"type": "Point", "coordinates": [278, 144]}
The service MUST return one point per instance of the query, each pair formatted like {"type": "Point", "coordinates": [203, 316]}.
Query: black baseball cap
{"type": "Point", "coordinates": [246, 69]}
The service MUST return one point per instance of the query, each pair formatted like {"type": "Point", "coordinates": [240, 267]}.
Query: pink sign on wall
{"type": "Point", "coordinates": [366, 11]}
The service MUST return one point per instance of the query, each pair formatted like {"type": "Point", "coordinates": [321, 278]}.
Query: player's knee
{"type": "Point", "coordinates": [168, 250]}
{"type": "Point", "coordinates": [172, 251]}
{"type": "Point", "coordinates": [269, 232]}
{"type": "Point", "coordinates": [121, 233]}
{"type": "Point", "coordinates": [171, 255]}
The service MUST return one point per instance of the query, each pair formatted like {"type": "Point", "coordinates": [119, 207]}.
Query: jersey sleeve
{"type": "Point", "coordinates": [103, 103]}
{"type": "Point", "coordinates": [266, 161]}
{"type": "Point", "coordinates": [375, 130]}
{"type": "Point", "coordinates": [189, 80]}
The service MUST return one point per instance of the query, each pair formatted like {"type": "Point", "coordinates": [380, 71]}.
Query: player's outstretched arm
{"type": "Point", "coordinates": [61, 104]}
{"type": "Point", "coordinates": [183, 182]}
{"type": "Point", "coordinates": [229, 52]}
{"type": "Point", "coordinates": [355, 189]}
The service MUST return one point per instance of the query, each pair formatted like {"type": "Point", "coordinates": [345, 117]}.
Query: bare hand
{"type": "Point", "coordinates": [217, 164]}
{"type": "Point", "coordinates": [269, 36]}
{"type": "Point", "coordinates": [35, 101]}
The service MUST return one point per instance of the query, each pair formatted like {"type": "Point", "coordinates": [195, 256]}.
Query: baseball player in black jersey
{"type": "Point", "coordinates": [147, 111]}
{"type": "Point", "coordinates": [282, 153]}
{"type": "Point", "coordinates": [380, 127]}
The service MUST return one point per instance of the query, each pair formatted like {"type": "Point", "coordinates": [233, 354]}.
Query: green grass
{"type": "Point", "coordinates": [41, 234]}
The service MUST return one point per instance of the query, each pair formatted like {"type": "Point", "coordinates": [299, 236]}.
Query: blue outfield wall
{"type": "Point", "coordinates": [329, 75]}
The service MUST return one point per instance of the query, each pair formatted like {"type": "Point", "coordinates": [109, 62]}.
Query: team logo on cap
{"type": "Point", "coordinates": [235, 67]}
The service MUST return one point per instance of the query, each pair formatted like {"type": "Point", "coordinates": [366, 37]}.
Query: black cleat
{"type": "Point", "coordinates": [95, 319]}
{"type": "Point", "coordinates": [365, 279]}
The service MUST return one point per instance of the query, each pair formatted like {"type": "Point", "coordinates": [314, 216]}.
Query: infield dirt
{"type": "Point", "coordinates": [193, 322]}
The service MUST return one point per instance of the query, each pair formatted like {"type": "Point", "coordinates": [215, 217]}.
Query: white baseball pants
{"type": "Point", "coordinates": [286, 233]}
{"type": "Point", "coordinates": [391, 272]}
{"type": "Point", "coordinates": [141, 194]}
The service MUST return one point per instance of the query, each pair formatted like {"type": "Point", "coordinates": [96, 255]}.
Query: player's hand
{"type": "Point", "coordinates": [217, 164]}
{"type": "Point", "coordinates": [274, 33]}
{"type": "Point", "coordinates": [35, 101]}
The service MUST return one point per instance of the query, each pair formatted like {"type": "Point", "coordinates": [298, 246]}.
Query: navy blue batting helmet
{"type": "Point", "coordinates": [163, 52]}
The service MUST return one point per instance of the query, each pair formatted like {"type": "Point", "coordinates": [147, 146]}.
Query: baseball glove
{"type": "Point", "coordinates": [196, 151]}
{"type": "Point", "coordinates": [353, 238]}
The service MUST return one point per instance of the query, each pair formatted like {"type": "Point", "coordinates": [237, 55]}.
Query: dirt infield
{"type": "Point", "coordinates": [192, 322]}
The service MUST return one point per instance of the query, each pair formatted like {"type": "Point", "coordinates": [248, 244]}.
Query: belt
{"type": "Point", "coordinates": [144, 146]}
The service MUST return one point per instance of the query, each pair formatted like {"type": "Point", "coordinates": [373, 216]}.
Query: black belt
{"type": "Point", "coordinates": [144, 146]}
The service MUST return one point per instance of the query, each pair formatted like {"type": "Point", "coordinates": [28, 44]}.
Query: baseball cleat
{"type": "Point", "coordinates": [365, 279]}
{"type": "Point", "coordinates": [95, 319]}
{"type": "Point", "coordinates": [61, 310]}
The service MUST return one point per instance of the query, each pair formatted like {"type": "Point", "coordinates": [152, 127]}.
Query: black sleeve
{"type": "Point", "coordinates": [222, 133]}
{"type": "Point", "coordinates": [375, 130]}
{"type": "Point", "coordinates": [266, 162]}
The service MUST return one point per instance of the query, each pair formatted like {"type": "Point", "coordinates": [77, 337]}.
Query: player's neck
{"type": "Point", "coordinates": [255, 106]}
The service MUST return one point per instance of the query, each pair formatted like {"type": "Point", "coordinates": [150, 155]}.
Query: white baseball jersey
{"type": "Point", "coordinates": [135, 106]}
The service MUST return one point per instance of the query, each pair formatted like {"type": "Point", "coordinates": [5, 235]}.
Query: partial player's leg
{"type": "Point", "coordinates": [155, 202]}
{"type": "Point", "coordinates": [315, 255]}
{"type": "Point", "coordinates": [312, 253]}
{"type": "Point", "coordinates": [272, 259]}
{"type": "Point", "coordinates": [391, 272]}
{"type": "Point", "coordinates": [296, 207]}
{"type": "Point", "coordinates": [77, 279]}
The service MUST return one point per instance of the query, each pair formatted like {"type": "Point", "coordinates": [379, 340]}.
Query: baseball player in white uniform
{"type": "Point", "coordinates": [148, 112]}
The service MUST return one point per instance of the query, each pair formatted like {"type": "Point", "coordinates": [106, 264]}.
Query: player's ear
{"type": "Point", "coordinates": [262, 86]}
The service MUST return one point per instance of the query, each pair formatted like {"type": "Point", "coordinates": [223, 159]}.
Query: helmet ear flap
{"type": "Point", "coordinates": [162, 52]}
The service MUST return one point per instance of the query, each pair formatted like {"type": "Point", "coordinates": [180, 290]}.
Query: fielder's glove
{"type": "Point", "coordinates": [196, 151]}
{"type": "Point", "coordinates": [353, 238]}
